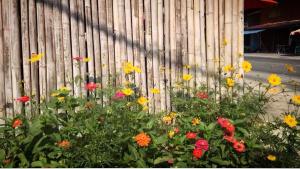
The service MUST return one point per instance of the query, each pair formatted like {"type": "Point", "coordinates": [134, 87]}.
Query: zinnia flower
{"type": "Point", "coordinates": [229, 138]}
{"type": "Point", "coordinates": [127, 91]}
{"type": "Point", "coordinates": [239, 147]}
{"type": "Point", "coordinates": [142, 100]}
{"type": "Point", "coordinates": [195, 121]}
{"type": "Point", "coordinates": [197, 153]}
{"type": "Point", "coordinates": [228, 68]}
{"type": "Point", "coordinates": [223, 122]}
{"type": "Point", "coordinates": [274, 80]}
{"type": "Point", "coordinates": [119, 95]}
{"type": "Point", "coordinates": [91, 86]}
{"type": "Point", "coordinates": [155, 91]}
{"type": "Point", "coordinates": [271, 157]}
{"type": "Point", "coordinates": [176, 130]}
{"type": "Point", "coordinates": [36, 57]}
{"type": "Point", "coordinates": [187, 77]}
{"type": "Point", "coordinates": [229, 129]}
{"type": "Point", "coordinates": [289, 68]}
{"type": "Point", "coordinates": [17, 123]}
{"type": "Point", "coordinates": [290, 120]}
{"type": "Point", "coordinates": [172, 114]}
{"type": "Point", "coordinates": [229, 82]}
{"type": "Point", "coordinates": [167, 120]}
{"type": "Point", "coordinates": [142, 139]}
{"type": "Point", "coordinates": [202, 95]}
{"type": "Point", "coordinates": [202, 144]}
{"type": "Point", "coordinates": [23, 99]}
{"type": "Point", "coordinates": [296, 99]}
{"type": "Point", "coordinates": [65, 144]}
{"type": "Point", "coordinates": [191, 135]}
{"type": "Point", "coordinates": [64, 89]}
{"type": "Point", "coordinates": [128, 68]}
{"type": "Point", "coordinates": [171, 134]}
{"type": "Point", "coordinates": [137, 69]}
{"type": "Point", "coordinates": [246, 66]}
{"type": "Point", "coordinates": [87, 59]}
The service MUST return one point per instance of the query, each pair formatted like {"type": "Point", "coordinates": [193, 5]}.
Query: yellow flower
{"type": "Point", "coordinates": [238, 76]}
{"type": "Point", "coordinates": [36, 57]}
{"type": "Point", "coordinates": [274, 80]}
{"type": "Point", "coordinates": [167, 120]}
{"type": "Point", "coordinates": [62, 89]}
{"type": "Point", "coordinates": [87, 59]}
{"type": "Point", "coordinates": [271, 157]}
{"type": "Point", "coordinates": [195, 121]}
{"type": "Point", "coordinates": [246, 66]}
{"type": "Point", "coordinates": [137, 69]}
{"type": "Point", "coordinates": [142, 100]}
{"type": "Point", "coordinates": [229, 82]}
{"type": "Point", "coordinates": [228, 68]}
{"type": "Point", "coordinates": [127, 91]}
{"type": "Point", "coordinates": [155, 91]}
{"type": "Point", "coordinates": [61, 99]}
{"type": "Point", "coordinates": [128, 68]}
{"type": "Point", "coordinates": [289, 68]}
{"type": "Point", "coordinates": [54, 94]}
{"type": "Point", "coordinates": [225, 42]}
{"type": "Point", "coordinates": [296, 99]}
{"type": "Point", "coordinates": [187, 66]}
{"type": "Point", "coordinates": [290, 120]}
{"type": "Point", "coordinates": [172, 115]}
{"type": "Point", "coordinates": [171, 134]}
{"type": "Point", "coordinates": [187, 77]}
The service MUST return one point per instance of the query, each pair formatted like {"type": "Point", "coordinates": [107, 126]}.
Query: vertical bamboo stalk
{"type": "Point", "coordinates": [197, 42]}
{"type": "Point", "coordinates": [67, 45]}
{"type": "Point", "coordinates": [221, 42]}
{"type": "Point", "coordinates": [228, 31]}
{"type": "Point", "coordinates": [15, 54]}
{"type": "Point", "coordinates": [33, 49]}
{"type": "Point", "coordinates": [103, 41]}
{"type": "Point", "coordinates": [89, 39]}
{"type": "Point", "coordinates": [210, 42]}
{"type": "Point", "coordinates": [135, 39]}
{"type": "Point", "coordinates": [123, 38]}
{"type": "Point", "coordinates": [203, 69]}
{"type": "Point", "coordinates": [184, 37]}
{"type": "Point", "coordinates": [155, 56]}
{"type": "Point", "coordinates": [75, 45]}
{"type": "Point", "coordinates": [172, 42]}
{"type": "Point", "coordinates": [167, 67]}
{"type": "Point", "coordinates": [216, 44]}
{"type": "Point", "coordinates": [117, 42]}
{"type": "Point", "coordinates": [161, 57]}
{"type": "Point", "coordinates": [191, 40]}
{"type": "Point", "coordinates": [149, 59]}
{"type": "Point", "coordinates": [178, 62]}
{"type": "Point", "coordinates": [235, 34]}
{"type": "Point", "coordinates": [96, 41]}
{"type": "Point", "coordinates": [41, 49]}
{"type": "Point", "coordinates": [2, 75]}
{"type": "Point", "coordinates": [241, 35]}
{"type": "Point", "coordinates": [142, 47]}
{"type": "Point", "coordinates": [6, 8]}
{"type": "Point", "coordinates": [129, 32]}
{"type": "Point", "coordinates": [110, 40]}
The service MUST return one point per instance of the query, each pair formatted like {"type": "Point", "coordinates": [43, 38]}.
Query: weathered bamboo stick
{"type": "Point", "coordinates": [203, 68]}
{"type": "Point", "coordinates": [89, 39]}
{"type": "Point", "coordinates": [135, 39]}
{"type": "Point", "coordinates": [129, 32]}
{"type": "Point", "coordinates": [2, 75]}
{"type": "Point", "coordinates": [178, 62]}
{"type": "Point", "coordinates": [110, 40]}
{"type": "Point", "coordinates": [191, 41]}
{"type": "Point", "coordinates": [172, 42]}
{"type": "Point", "coordinates": [123, 38]}
{"type": "Point", "coordinates": [167, 67]}
{"type": "Point", "coordinates": [216, 46]}
{"type": "Point", "coordinates": [117, 42]}
{"type": "Point", "coordinates": [197, 42]}
{"type": "Point", "coordinates": [184, 37]}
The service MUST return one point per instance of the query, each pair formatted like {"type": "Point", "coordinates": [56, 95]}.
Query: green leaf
{"type": "Point", "coordinates": [160, 140]}
{"type": "Point", "coordinates": [133, 152]}
{"type": "Point", "coordinates": [181, 165]}
{"type": "Point", "coordinates": [244, 131]}
{"type": "Point", "coordinates": [24, 161]}
{"type": "Point", "coordinates": [219, 161]}
{"type": "Point", "coordinates": [141, 163]}
{"type": "Point", "coordinates": [37, 164]}
{"type": "Point", "coordinates": [239, 121]}
{"type": "Point", "coordinates": [2, 154]}
{"type": "Point", "coordinates": [150, 124]}
{"type": "Point", "coordinates": [161, 159]}
{"type": "Point", "coordinates": [211, 126]}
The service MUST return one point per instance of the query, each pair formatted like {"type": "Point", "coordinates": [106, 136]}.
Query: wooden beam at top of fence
{"type": "Point", "coordinates": [143, 80]}
{"type": "Point", "coordinates": [15, 55]}
{"type": "Point", "coordinates": [89, 40]}
{"type": "Point", "coordinates": [102, 12]}
{"type": "Point", "coordinates": [167, 67]}
{"type": "Point", "coordinates": [110, 40]}
{"type": "Point", "coordinates": [149, 59]}
{"type": "Point", "coordinates": [41, 49]}
{"type": "Point", "coordinates": [2, 76]}
{"type": "Point", "coordinates": [197, 42]}
{"type": "Point", "coordinates": [67, 51]}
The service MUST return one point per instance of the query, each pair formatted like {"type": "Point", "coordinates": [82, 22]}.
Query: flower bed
{"type": "Point", "coordinates": [111, 127]}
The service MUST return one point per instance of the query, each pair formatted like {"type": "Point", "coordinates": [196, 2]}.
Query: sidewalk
{"type": "Point", "coordinates": [272, 55]}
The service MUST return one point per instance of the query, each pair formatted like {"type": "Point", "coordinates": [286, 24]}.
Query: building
{"type": "Point", "coordinates": [268, 26]}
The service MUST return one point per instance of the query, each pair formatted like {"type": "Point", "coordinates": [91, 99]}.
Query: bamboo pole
{"type": "Point", "coordinates": [203, 69]}
{"type": "Point", "coordinates": [172, 43]}
{"type": "Point", "coordinates": [141, 46]}
{"type": "Point", "coordinates": [197, 42]}
{"type": "Point", "coordinates": [129, 32]}
{"type": "Point", "coordinates": [117, 42]}
{"type": "Point", "coordinates": [167, 67]}
{"type": "Point", "coordinates": [110, 41]}
{"type": "Point", "coordinates": [235, 34]}
{"type": "Point", "coordinates": [178, 61]}
{"type": "Point", "coordinates": [135, 39]}
{"type": "Point", "coordinates": [66, 38]}
{"type": "Point", "coordinates": [82, 45]}
{"type": "Point", "coordinates": [41, 49]}
{"type": "Point", "coordinates": [221, 42]}
{"type": "Point", "coordinates": [103, 41]}
{"type": "Point", "coordinates": [89, 40]}
{"type": "Point", "coordinates": [6, 8]}
{"type": "Point", "coordinates": [123, 40]}
{"type": "Point", "coordinates": [2, 75]}
{"type": "Point", "coordinates": [184, 37]}
{"type": "Point", "coordinates": [228, 31]}
{"type": "Point", "coordinates": [191, 41]}
{"type": "Point", "coordinates": [241, 36]}
{"type": "Point", "coordinates": [216, 46]}
{"type": "Point", "coordinates": [15, 54]}
{"type": "Point", "coordinates": [149, 56]}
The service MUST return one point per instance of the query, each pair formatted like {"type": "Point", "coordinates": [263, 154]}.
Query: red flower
{"type": "Point", "coordinates": [197, 153]}
{"type": "Point", "coordinates": [239, 147]}
{"type": "Point", "coordinates": [119, 95]}
{"type": "Point", "coordinates": [202, 144]}
{"type": "Point", "coordinates": [223, 122]}
{"type": "Point", "coordinates": [191, 135]}
{"type": "Point", "coordinates": [170, 161]}
{"type": "Point", "coordinates": [176, 130]}
{"type": "Point", "coordinates": [230, 139]}
{"type": "Point", "coordinates": [230, 129]}
{"type": "Point", "coordinates": [91, 86]}
{"type": "Point", "coordinates": [17, 123]}
{"type": "Point", "coordinates": [202, 95]}
{"type": "Point", "coordinates": [78, 58]}
{"type": "Point", "coordinates": [23, 99]}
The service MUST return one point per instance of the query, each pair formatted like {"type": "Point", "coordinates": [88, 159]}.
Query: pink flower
{"type": "Point", "coordinates": [230, 139]}
{"type": "Point", "coordinates": [223, 122]}
{"type": "Point", "coordinates": [176, 130]}
{"type": "Point", "coordinates": [170, 161]}
{"type": "Point", "coordinates": [202, 144]}
{"type": "Point", "coordinates": [202, 95]}
{"type": "Point", "coordinates": [119, 95]}
{"type": "Point", "coordinates": [23, 99]}
{"type": "Point", "coordinates": [191, 135]}
{"type": "Point", "coordinates": [91, 86]}
{"type": "Point", "coordinates": [239, 147]}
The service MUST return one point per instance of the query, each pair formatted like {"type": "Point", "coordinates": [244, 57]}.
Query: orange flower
{"type": "Point", "coordinates": [65, 144]}
{"type": "Point", "coordinates": [142, 139]}
{"type": "Point", "coordinates": [17, 123]}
